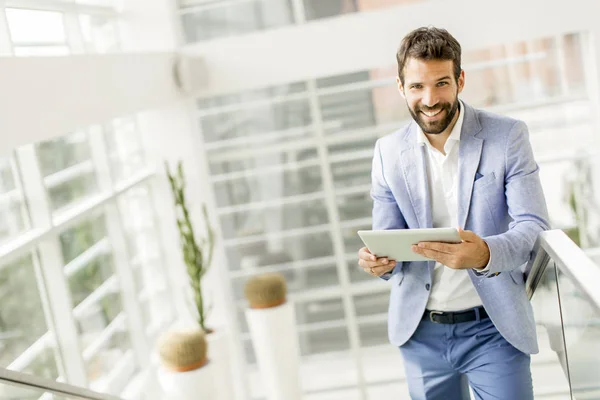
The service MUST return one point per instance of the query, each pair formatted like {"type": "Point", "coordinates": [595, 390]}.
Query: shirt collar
{"type": "Point", "coordinates": [456, 130]}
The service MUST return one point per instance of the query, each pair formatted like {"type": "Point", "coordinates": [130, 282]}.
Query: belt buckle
{"type": "Point", "coordinates": [431, 313]}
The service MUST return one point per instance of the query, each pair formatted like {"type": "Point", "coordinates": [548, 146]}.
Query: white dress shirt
{"type": "Point", "coordinates": [451, 289]}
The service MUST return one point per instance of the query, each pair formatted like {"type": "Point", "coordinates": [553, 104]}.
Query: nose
{"type": "Point", "coordinates": [429, 98]}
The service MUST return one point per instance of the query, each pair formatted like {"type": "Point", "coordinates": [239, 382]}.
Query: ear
{"type": "Point", "coordinates": [400, 87]}
{"type": "Point", "coordinates": [461, 81]}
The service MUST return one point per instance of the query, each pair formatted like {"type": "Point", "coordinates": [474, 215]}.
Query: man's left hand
{"type": "Point", "coordinates": [473, 252]}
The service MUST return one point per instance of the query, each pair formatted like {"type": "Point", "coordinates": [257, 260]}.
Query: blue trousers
{"type": "Point", "coordinates": [443, 360]}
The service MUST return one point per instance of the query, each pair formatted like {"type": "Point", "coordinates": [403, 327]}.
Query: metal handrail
{"type": "Point", "coordinates": [569, 258]}
{"type": "Point", "coordinates": [32, 382]}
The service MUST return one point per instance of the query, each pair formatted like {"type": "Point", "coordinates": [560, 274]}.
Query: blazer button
{"type": "Point", "coordinates": [427, 286]}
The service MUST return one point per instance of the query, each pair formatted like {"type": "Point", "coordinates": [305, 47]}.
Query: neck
{"type": "Point", "coordinates": [438, 141]}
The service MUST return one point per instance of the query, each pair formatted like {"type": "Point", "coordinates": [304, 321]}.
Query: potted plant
{"type": "Point", "coordinates": [197, 251]}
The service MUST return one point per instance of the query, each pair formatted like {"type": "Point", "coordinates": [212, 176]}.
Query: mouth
{"type": "Point", "coordinates": [432, 114]}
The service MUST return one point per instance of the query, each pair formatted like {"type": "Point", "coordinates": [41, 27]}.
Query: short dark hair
{"type": "Point", "coordinates": [429, 43]}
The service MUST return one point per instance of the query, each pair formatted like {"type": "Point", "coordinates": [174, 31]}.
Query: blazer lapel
{"type": "Point", "coordinates": [469, 156]}
{"type": "Point", "coordinates": [414, 170]}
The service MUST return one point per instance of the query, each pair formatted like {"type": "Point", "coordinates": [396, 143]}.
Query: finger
{"type": "Point", "coordinates": [437, 246]}
{"type": "Point", "coordinates": [467, 236]}
{"type": "Point", "coordinates": [364, 264]}
{"type": "Point", "coordinates": [382, 270]}
{"type": "Point", "coordinates": [366, 254]}
{"type": "Point", "coordinates": [440, 257]}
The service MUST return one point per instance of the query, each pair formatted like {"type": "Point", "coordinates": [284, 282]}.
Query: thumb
{"type": "Point", "coordinates": [466, 236]}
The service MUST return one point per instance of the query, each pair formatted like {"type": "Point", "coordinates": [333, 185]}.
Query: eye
{"type": "Point", "coordinates": [442, 83]}
{"type": "Point", "coordinates": [416, 86]}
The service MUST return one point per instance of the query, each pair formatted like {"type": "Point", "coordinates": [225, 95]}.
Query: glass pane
{"type": "Point", "coordinates": [45, 363]}
{"type": "Point", "coordinates": [372, 304]}
{"type": "Point", "coordinates": [64, 152]}
{"type": "Point", "coordinates": [22, 318]}
{"type": "Point", "coordinates": [374, 334]}
{"type": "Point", "coordinates": [32, 26]}
{"type": "Point", "coordinates": [69, 172]}
{"type": "Point", "coordinates": [79, 238]}
{"type": "Point", "coordinates": [296, 248]}
{"type": "Point", "coordinates": [581, 321]}
{"type": "Point", "coordinates": [352, 242]}
{"type": "Point", "coordinates": [266, 161]}
{"type": "Point", "coordinates": [125, 150]}
{"type": "Point", "coordinates": [83, 282]}
{"type": "Point", "coordinates": [316, 9]}
{"type": "Point", "coordinates": [274, 219]}
{"type": "Point", "coordinates": [116, 351]}
{"type": "Point", "coordinates": [355, 206]}
{"type": "Point", "coordinates": [258, 119]}
{"type": "Point", "coordinates": [255, 95]}
{"type": "Point", "coordinates": [550, 335]}
{"type": "Point", "coordinates": [355, 271]}
{"type": "Point", "coordinates": [13, 212]}
{"type": "Point", "coordinates": [351, 173]}
{"type": "Point", "coordinates": [95, 318]}
{"type": "Point", "coordinates": [228, 19]}
{"type": "Point", "coordinates": [70, 192]}
{"type": "Point", "coordinates": [313, 311]}
{"type": "Point", "coordinates": [264, 183]}
{"type": "Point", "coordinates": [324, 341]}
{"type": "Point", "coordinates": [99, 33]}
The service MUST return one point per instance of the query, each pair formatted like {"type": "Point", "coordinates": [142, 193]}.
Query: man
{"type": "Point", "coordinates": [463, 319]}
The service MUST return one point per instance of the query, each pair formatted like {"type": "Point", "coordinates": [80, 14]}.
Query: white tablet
{"type": "Point", "coordinates": [396, 243]}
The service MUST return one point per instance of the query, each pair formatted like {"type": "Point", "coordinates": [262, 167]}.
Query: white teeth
{"type": "Point", "coordinates": [431, 113]}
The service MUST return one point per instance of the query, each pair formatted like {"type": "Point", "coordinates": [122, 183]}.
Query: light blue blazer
{"type": "Point", "coordinates": [500, 198]}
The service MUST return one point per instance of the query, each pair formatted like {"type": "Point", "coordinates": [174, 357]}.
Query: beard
{"type": "Point", "coordinates": [435, 127]}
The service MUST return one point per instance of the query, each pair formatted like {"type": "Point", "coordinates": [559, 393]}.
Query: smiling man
{"type": "Point", "coordinates": [462, 319]}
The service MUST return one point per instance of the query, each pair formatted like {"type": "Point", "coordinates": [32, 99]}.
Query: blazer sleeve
{"type": "Point", "coordinates": [526, 206]}
{"type": "Point", "coordinates": [386, 213]}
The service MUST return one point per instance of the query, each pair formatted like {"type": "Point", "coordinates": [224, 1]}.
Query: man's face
{"type": "Point", "coordinates": [431, 93]}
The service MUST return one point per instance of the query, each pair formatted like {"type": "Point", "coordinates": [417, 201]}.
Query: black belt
{"type": "Point", "coordinates": [454, 317]}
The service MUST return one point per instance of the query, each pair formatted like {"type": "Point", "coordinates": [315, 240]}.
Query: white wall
{"type": "Point", "coordinates": [370, 39]}
{"type": "Point", "coordinates": [44, 97]}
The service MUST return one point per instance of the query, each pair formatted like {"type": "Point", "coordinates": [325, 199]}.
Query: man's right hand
{"type": "Point", "coordinates": [373, 265]}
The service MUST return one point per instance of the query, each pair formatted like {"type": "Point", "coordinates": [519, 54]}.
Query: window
{"type": "Point", "coordinates": [68, 171]}
{"type": "Point", "coordinates": [25, 343]}
{"type": "Point", "coordinates": [13, 214]}
{"type": "Point", "coordinates": [124, 147]}
{"type": "Point", "coordinates": [35, 32]}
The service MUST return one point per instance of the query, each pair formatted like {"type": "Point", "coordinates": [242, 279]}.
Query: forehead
{"type": "Point", "coordinates": [417, 70]}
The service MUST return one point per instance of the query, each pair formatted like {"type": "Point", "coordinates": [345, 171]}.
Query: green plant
{"type": "Point", "coordinates": [197, 251]}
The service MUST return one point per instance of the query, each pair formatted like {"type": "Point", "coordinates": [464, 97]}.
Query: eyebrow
{"type": "Point", "coordinates": [445, 78]}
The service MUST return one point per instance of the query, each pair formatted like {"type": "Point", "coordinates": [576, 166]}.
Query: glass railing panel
{"type": "Point", "coordinates": [581, 324]}
{"type": "Point", "coordinates": [549, 368]}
